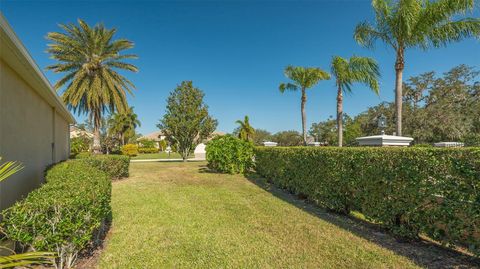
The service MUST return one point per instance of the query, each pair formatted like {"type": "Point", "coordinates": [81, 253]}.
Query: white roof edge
{"type": "Point", "coordinates": [41, 85]}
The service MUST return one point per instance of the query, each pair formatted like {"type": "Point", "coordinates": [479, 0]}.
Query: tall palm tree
{"type": "Point", "coordinates": [90, 60]}
{"type": "Point", "coordinates": [348, 71]}
{"type": "Point", "coordinates": [405, 24]}
{"type": "Point", "coordinates": [303, 78]}
{"type": "Point", "coordinates": [124, 124]}
{"type": "Point", "coordinates": [246, 131]}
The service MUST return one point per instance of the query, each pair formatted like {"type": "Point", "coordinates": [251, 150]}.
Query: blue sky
{"type": "Point", "coordinates": [235, 51]}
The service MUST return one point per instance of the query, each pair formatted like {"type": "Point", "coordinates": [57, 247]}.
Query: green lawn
{"type": "Point", "coordinates": [159, 155]}
{"type": "Point", "coordinates": [178, 215]}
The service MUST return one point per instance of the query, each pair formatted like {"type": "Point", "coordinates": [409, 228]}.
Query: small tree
{"type": "Point", "coordinates": [186, 122]}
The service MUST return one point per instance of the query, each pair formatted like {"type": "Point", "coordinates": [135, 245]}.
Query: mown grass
{"type": "Point", "coordinates": [159, 155]}
{"type": "Point", "coordinates": [178, 215]}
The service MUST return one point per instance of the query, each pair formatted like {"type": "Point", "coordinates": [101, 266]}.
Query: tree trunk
{"type": "Point", "coordinates": [97, 148]}
{"type": "Point", "coordinates": [304, 117]}
{"type": "Point", "coordinates": [399, 66]}
{"type": "Point", "coordinates": [340, 116]}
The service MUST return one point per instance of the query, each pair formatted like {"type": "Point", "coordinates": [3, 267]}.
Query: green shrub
{"type": "Point", "coordinates": [130, 150]}
{"type": "Point", "coordinates": [146, 143]}
{"type": "Point", "coordinates": [116, 166]}
{"type": "Point", "coordinates": [82, 155]}
{"type": "Point", "coordinates": [65, 214]}
{"type": "Point", "coordinates": [229, 154]}
{"type": "Point", "coordinates": [148, 150]}
{"type": "Point", "coordinates": [408, 190]}
{"type": "Point", "coordinates": [79, 144]}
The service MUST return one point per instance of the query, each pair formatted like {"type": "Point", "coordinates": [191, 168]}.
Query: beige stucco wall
{"type": "Point", "coordinates": [28, 127]}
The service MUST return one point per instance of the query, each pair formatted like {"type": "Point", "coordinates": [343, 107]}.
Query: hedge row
{"type": "Point", "coordinates": [408, 190]}
{"type": "Point", "coordinates": [65, 214]}
{"type": "Point", "coordinates": [228, 154]}
{"type": "Point", "coordinates": [116, 166]}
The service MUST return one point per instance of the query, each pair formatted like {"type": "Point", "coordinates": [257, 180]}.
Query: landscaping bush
{"type": "Point", "coordinates": [130, 150]}
{"type": "Point", "coordinates": [408, 190]}
{"type": "Point", "coordinates": [116, 166]}
{"type": "Point", "coordinates": [148, 150]}
{"type": "Point", "coordinates": [229, 154]}
{"type": "Point", "coordinates": [65, 215]}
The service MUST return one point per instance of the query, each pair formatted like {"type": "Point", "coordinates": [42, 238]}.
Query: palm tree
{"type": "Point", "coordinates": [123, 124]}
{"type": "Point", "coordinates": [408, 24]}
{"type": "Point", "coordinates": [90, 60]}
{"type": "Point", "coordinates": [246, 131]}
{"type": "Point", "coordinates": [348, 71]}
{"type": "Point", "coordinates": [303, 78]}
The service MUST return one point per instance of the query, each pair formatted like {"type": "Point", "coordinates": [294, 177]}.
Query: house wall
{"type": "Point", "coordinates": [31, 132]}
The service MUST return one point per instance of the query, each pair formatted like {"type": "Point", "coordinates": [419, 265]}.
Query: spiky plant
{"type": "Point", "coordinates": [348, 71]}
{"type": "Point", "coordinates": [303, 78]}
{"type": "Point", "coordinates": [246, 131]}
{"type": "Point", "coordinates": [405, 24]}
{"type": "Point", "coordinates": [90, 59]}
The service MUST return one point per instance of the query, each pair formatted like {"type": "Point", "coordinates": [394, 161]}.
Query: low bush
{"type": "Point", "coordinates": [410, 191]}
{"type": "Point", "coordinates": [130, 150]}
{"type": "Point", "coordinates": [65, 215]}
{"type": "Point", "coordinates": [148, 150]}
{"type": "Point", "coordinates": [229, 154]}
{"type": "Point", "coordinates": [116, 166]}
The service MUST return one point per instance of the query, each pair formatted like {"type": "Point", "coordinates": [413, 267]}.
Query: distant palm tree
{"type": "Point", "coordinates": [303, 78]}
{"type": "Point", "coordinates": [90, 58]}
{"type": "Point", "coordinates": [348, 71]}
{"type": "Point", "coordinates": [416, 23]}
{"type": "Point", "coordinates": [124, 124]}
{"type": "Point", "coordinates": [246, 131]}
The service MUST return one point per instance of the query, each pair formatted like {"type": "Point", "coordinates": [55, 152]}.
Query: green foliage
{"type": "Point", "coordinates": [79, 144]}
{"type": "Point", "coordinates": [163, 145]}
{"type": "Point", "coordinates": [130, 150]}
{"type": "Point", "coordinates": [123, 125]}
{"type": "Point", "coordinates": [288, 138]}
{"type": "Point", "coordinates": [9, 168]}
{"type": "Point", "coordinates": [90, 59]}
{"type": "Point", "coordinates": [65, 214]}
{"type": "Point", "coordinates": [246, 131]}
{"type": "Point", "coordinates": [261, 136]}
{"type": "Point", "coordinates": [116, 166]}
{"type": "Point", "coordinates": [229, 154]}
{"type": "Point", "coordinates": [186, 122]}
{"type": "Point", "coordinates": [146, 143]}
{"type": "Point", "coordinates": [147, 150]}
{"type": "Point", "coordinates": [408, 190]}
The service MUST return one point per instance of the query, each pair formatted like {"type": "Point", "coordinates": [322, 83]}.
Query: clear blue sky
{"type": "Point", "coordinates": [235, 51]}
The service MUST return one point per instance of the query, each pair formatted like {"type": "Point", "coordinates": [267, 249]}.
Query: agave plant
{"type": "Point", "coordinates": [7, 169]}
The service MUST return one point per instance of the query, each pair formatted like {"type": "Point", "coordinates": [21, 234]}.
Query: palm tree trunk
{"type": "Point", "coordinates": [340, 116]}
{"type": "Point", "coordinates": [97, 148]}
{"type": "Point", "coordinates": [399, 66]}
{"type": "Point", "coordinates": [304, 117]}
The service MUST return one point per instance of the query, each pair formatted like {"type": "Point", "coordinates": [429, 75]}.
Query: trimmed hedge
{"type": "Point", "coordinates": [228, 154]}
{"type": "Point", "coordinates": [148, 150]}
{"type": "Point", "coordinates": [65, 214]}
{"type": "Point", "coordinates": [116, 166]}
{"type": "Point", "coordinates": [408, 190]}
{"type": "Point", "coordinates": [130, 150]}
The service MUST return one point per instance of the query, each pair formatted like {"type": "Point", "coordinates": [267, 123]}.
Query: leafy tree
{"type": "Point", "coordinates": [303, 78]}
{"type": "Point", "coordinates": [288, 138]}
{"type": "Point", "coordinates": [348, 71]}
{"type": "Point", "coordinates": [326, 131]}
{"type": "Point", "coordinates": [90, 59]}
{"type": "Point", "coordinates": [186, 122]}
{"type": "Point", "coordinates": [123, 125]}
{"type": "Point", "coordinates": [79, 144]}
{"type": "Point", "coordinates": [246, 131]}
{"type": "Point", "coordinates": [261, 136]}
{"type": "Point", "coordinates": [408, 24]}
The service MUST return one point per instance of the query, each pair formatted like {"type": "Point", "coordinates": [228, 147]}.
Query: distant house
{"type": "Point", "coordinates": [77, 132]}
{"type": "Point", "coordinates": [34, 122]}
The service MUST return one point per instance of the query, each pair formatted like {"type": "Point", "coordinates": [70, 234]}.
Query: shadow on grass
{"type": "Point", "coordinates": [424, 253]}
